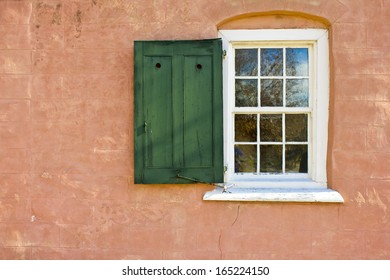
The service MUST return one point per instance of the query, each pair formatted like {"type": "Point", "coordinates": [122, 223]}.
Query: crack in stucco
{"type": "Point", "coordinates": [237, 214]}
{"type": "Point", "coordinates": [219, 245]}
{"type": "Point", "coordinates": [221, 232]}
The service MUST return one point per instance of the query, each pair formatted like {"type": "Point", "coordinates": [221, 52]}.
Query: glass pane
{"type": "Point", "coordinates": [271, 62]}
{"type": "Point", "coordinates": [271, 158]}
{"type": "Point", "coordinates": [296, 158]}
{"type": "Point", "coordinates": [271, 128]}
{"type": "Point", "coordinates": [246, 93]}
{"type": "Point", "coordinates": [271, 92]}
{"type": "Point", "coordinates": [297, 92]}
{"type": "Point", "coordinates": [245, 128]}
{"type": "Point", "coordinates": [246, 62]}
{"type": "Point", "coordinates": [297, 62]}
{"type": "Point", "coordinates": [245, 158]}
{"type": "Point", "coordinates": [296, 127]}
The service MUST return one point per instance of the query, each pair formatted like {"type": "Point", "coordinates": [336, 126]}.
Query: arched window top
{"type": "Point", "coordinates": [274, 20]}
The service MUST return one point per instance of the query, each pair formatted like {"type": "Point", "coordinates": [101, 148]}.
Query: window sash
{"type": "Point", "coordinates": [283, 142]}
{"type": "Point", "coordinates": [317, 39]}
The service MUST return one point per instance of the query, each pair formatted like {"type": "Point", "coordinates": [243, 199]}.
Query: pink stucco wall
{"type": "Point", "coordinates": [66, 148]}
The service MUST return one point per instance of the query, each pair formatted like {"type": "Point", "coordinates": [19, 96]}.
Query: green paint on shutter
{"type": "Point", "coordinates": [158, 122]}
{"type": "Point", "coordinates": [178, 111]}
{"type": "Point", "coordinates": [198, 107]}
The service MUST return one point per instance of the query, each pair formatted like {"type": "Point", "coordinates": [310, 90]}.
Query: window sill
{"type": "Point", "coordinates": [322, 194]}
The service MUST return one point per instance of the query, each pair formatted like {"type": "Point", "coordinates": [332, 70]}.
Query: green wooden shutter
{"type": "Point", "coordinates": [178, 111]}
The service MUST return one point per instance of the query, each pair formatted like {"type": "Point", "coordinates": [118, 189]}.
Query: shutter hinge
{"type": "Point", "coordinates": [224, 54]}
{"type": "Point", "coordinates": [225, 168]}
{"type": "Point", "coordinates": [145, 127]}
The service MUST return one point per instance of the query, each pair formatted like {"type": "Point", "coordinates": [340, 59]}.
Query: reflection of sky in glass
{"type": "Point", "coordinates": [297, 92]}
{"type": "Point", "coordinates": [297, 62]}
{"type": "Point", "coordinates": [271, 62]}
{"type": "Point", "coordinates": [246, 62]}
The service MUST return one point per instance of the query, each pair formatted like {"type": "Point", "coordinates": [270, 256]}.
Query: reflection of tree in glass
{"type": "Point", "coordinates": [245, 127]}
{"type": "Point", "coordinates": [246, 62]}
{"type": "Point", "coordinates": [246, 93]}
{"type": "Point", "coordinates": [271, 158]}
{"type": "Point", "coordinates": [245, 158]}
{"type": "Point", "coordinates": [296, 158]}
{"type": "Point", "coordinates": [271, 92]}
{"type": "Point", "coordinates": [271, 62]}
{"type": "Point", "coordinates": [296, 127]}
{"type": "Point", "coordinates": [271, 128]}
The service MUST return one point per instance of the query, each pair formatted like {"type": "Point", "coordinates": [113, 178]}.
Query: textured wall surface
{"type": "Point", "coordinates": [66, 148]}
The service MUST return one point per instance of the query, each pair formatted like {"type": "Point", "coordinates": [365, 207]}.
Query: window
{"type": "Point", "coordinates": [276, 98]}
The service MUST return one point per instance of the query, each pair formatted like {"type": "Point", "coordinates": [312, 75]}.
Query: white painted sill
{"type": "Point", "coordinates": [299, 191]}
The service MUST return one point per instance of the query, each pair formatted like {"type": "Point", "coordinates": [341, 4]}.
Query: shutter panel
{"type": "Point", "coordinates": [178, 111]}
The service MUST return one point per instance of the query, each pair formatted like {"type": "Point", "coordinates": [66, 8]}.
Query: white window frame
{"type": "Point", "coordinates": [311, 187]}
